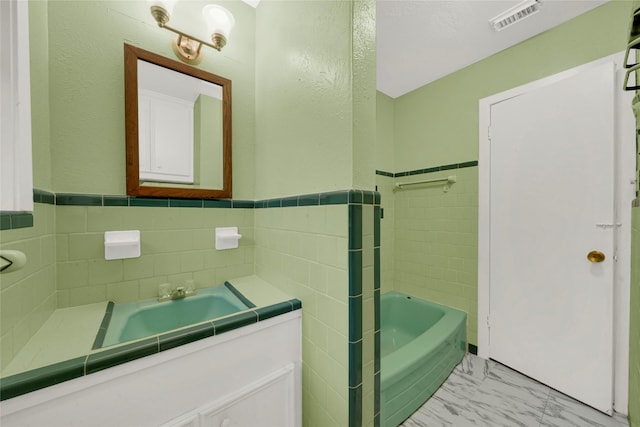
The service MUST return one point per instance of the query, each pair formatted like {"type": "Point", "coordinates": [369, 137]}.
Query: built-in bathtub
{"type": "Point", "coordinates": [421, 343]}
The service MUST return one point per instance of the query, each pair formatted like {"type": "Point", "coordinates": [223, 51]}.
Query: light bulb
{"type": "Point", "coordinates": [219, 20]}
{"type": "Point", "coordinates": [167, 5]}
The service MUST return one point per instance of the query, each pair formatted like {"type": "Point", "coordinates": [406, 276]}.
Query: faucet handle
{"type": "Point", "coordinates": [163, 290]}
{"type": "Point", "coordinates": [190, 286]}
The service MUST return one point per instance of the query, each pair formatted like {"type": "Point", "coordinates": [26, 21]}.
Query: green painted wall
{"type": "Point", "coordinates": [40, 116]}
{"type": "Point", "coordinates": [385, 108]}
{"type": "Point", "coordinates": [363, 71]}
{"type": "Point", "coordinates": [207, 118]}
{"type": "Point", "coordinates": [437, 124]}
{"type": "Point", "coordinates": [315, 117]}
{"type": "Point", "coordinates": [86, 96]}
{"type": "Point", "coordinates": [385, 132]}
{"type": "Point", "coordinates": [634, 333]}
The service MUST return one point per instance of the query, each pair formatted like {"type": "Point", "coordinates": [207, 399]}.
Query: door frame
{"type": "Point", "coordinates": [624, 193]}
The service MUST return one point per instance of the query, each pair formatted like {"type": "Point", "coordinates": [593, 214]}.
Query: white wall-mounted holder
{"type": "Point", "coordinates": [121, 244]}
{"type": "Point", "coordinates": [448, 180]}
{"type": "Point", "coordinates": [11, 260]}
{"type": "Point", "coordinates": [227, 238]}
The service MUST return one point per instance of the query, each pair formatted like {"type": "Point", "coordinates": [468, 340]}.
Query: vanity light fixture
{"type": "Point", "coordinates": [515, 14]}
{"type": "Point", "coordinates": [188, 48]}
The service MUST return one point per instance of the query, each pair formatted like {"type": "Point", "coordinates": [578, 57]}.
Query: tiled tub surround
{"type": "Point", "coordinates": [435, 238]}
{"type": "Point", "coordinates": [269, 302]}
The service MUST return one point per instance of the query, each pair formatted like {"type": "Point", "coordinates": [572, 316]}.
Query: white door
{"type": "Point", "coordinates": [551, 204]}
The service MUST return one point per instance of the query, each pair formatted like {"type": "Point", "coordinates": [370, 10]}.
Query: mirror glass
{"type": "Point", "coordinates": [178, 128]}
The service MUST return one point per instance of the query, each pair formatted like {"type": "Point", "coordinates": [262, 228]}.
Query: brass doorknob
{"type": "Point", "coordinates": [595, 256]}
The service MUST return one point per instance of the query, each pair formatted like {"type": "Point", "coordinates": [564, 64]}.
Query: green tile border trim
{"type": "Point", "coordinates": [104, 325]}
{"type": "Point", "coordinates": [114, 356]}
{"type": "Point", "coordinates": [78, 199]}
{"type": "Point", "coordinates": [315, 199]}
{"type": "Point", "coordinates": [351, 197]}
{"type": "Point", "coordinates": [355, 406]}
{"type": "Point", "coordinates": [46, 376]}
{"type": "Point", "coordinates": [429, 170]}
{"type": "Point", "coordinates": [10, 220]}
{"type": "Point", "coordinates": [383, 173]}
{"type": "Point", "coordinates": [239, 295]}
{"type": "Point", "coordinates": [473, 349]}
{"type": "Point", "coordinates": [36, 379]}
{"type": "Point", "coordinates": [355, 303]}
{"type": "Point", "coordinates": [377, 215]}
{"type": "Point", "coordinates": [42, 196]}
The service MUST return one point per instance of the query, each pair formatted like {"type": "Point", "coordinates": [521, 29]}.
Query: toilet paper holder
{"type": "Point", "coordinates": [227, 238]}
{"type": "Point", "coordinates": [121, 244]}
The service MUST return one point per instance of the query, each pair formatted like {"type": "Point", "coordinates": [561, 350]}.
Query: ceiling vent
{"type": "Point", "coordinates": [515, 14]}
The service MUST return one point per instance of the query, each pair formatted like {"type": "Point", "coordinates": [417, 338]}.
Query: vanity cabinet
{"type": "Point", "coordinates": [244, 377]}
{"type": "Point", "coordinates": [266, 402]}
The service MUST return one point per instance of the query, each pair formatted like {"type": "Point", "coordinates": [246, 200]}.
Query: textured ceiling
{"type": "Point", "coordinates": [419, 41]}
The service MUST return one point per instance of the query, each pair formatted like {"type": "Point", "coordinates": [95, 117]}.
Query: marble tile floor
{"type": "Point", "coordinates": [486, 393]}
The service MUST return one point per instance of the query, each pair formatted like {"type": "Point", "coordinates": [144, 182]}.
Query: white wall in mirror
{"type": "Point", "coordinates": [16, 191]}
{"type": "Point", "coordinates": [171, 107]}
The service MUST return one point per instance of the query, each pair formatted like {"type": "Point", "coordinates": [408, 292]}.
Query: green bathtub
{"type": "Point", "coordinates": [421, 343]}
{"type": "Point", "coordinates": [149, 317]}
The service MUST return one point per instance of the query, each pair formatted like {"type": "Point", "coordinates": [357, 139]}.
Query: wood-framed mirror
{"type": "Point", "coordinates": [178, 128]}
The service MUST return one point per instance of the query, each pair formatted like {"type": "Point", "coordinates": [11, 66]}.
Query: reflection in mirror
{"type": "Point", "coordinates": [178, 128]}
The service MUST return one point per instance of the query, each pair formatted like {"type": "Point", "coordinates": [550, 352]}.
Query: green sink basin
{"type": "Point", "coordinates": [146, 318]}
{"type": "Point", "coordinates": [175, 314]}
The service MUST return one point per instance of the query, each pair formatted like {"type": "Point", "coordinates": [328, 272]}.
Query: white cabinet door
{"type": "Point", "coordinates": [269, 402]}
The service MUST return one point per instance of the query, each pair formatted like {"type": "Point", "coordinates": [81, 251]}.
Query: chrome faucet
{"type": "Point", "coordinates": [177, 293]}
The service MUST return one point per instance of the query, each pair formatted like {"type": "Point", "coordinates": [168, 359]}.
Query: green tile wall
{"type": "Point", "coordinates": [436, 242]}
{"type": "Point", "coordinates": [28, 296]}
{"type": "Point", "coordinates": [176, 244]}
{"type": "Point", "coordinates": [634, 333]}
{"type": "Point", "coordinates": [303, 250]}
{"type": "Point", "coordinates": [387, 232]}
{"type": "Point", "coordinates": [325, 256]}
{"type": "Point", "coordinates": [370, 292]}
